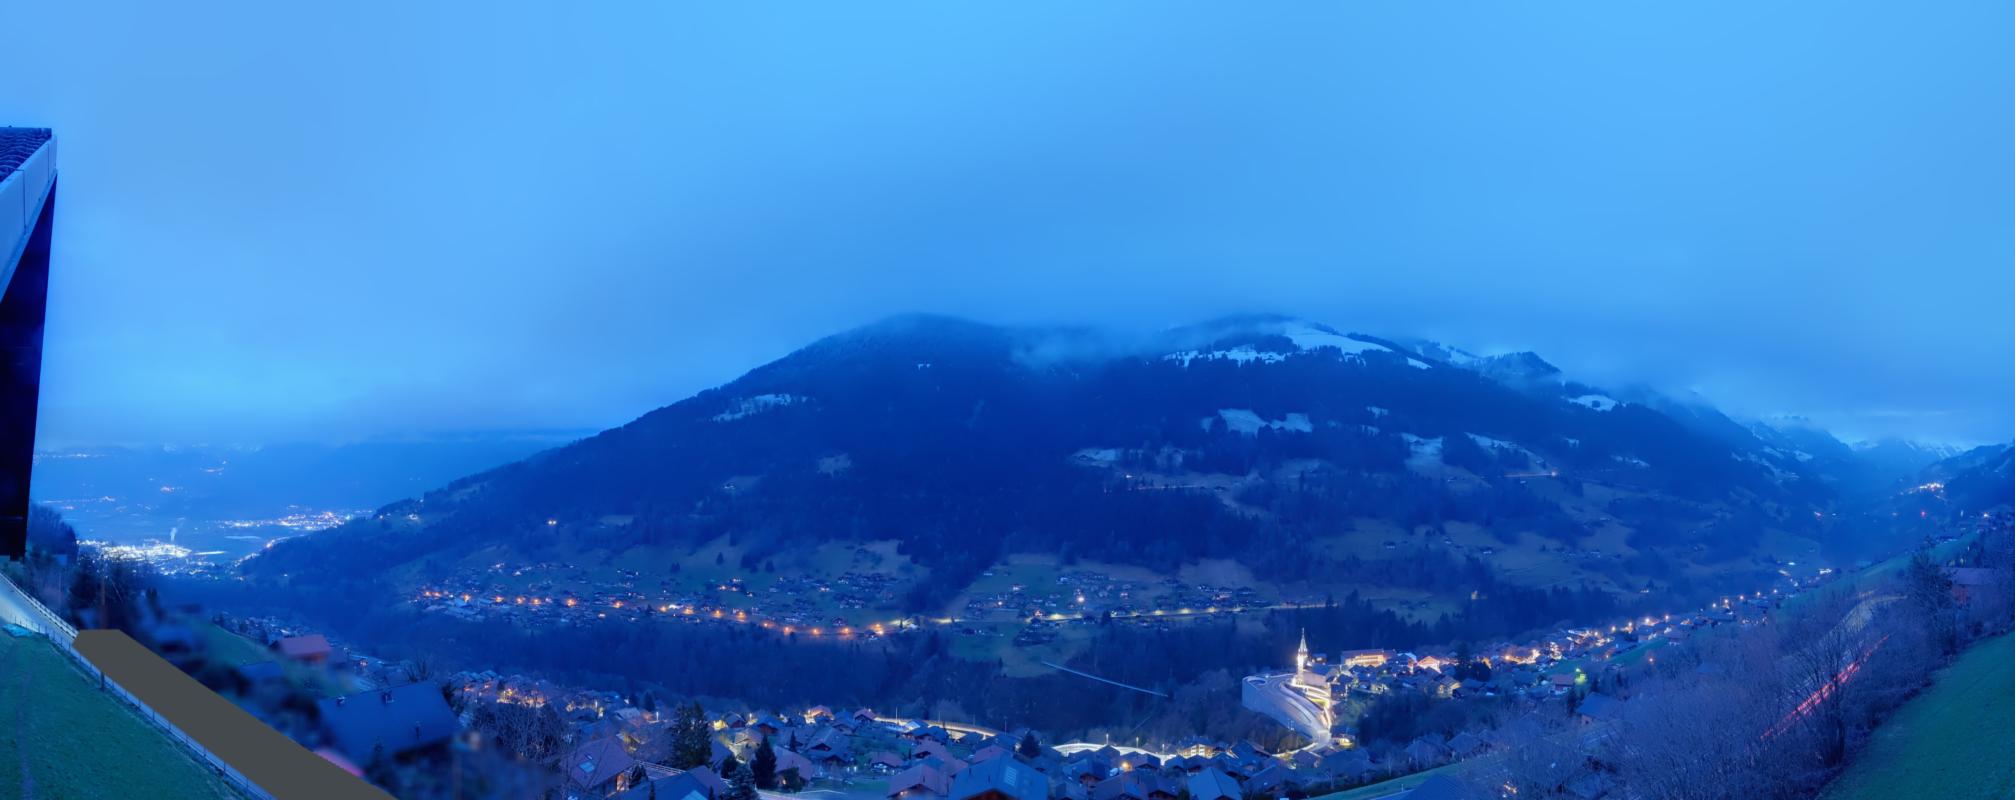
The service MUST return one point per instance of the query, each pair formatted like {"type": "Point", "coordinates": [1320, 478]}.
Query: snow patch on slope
{"type": "Point", "coordinates": [1246, 422]}
{"type": "Point", "coordinates": [1097, 456]}
{"type": "Point", "coordinates": [1594, 401]}
{"type": "Point", "coordinates": [1426, 455]}
{"type": "Point", "coordinates": [749, 406]}
{"type": "Point", "coordinates": [1308, 337]}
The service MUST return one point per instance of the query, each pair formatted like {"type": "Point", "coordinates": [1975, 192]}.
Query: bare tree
{"type": "Point", "coordinates": [1697, 740]}
{"type": "Point", "coordinates": [1537, 764]}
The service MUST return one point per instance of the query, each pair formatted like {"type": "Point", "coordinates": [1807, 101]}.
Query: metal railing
{"type": "Point", "coordinates": [14, 601]}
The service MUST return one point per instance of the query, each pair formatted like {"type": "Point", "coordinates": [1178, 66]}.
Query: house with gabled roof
{"type": "Point", "coordinates": [1213, 784]}
{"type": "Point", "coordinates": [310, 649]}
{"type": "Point", "coordinates": [1352, 764]}
{"type": "Point", "coordinates": [1422, 753]}
{"type": "Point", "coordinates": [394, 721]}
{"type": "Point", "coordinates": [1131, 785]}
{"type": "Point", "coordinates": [1269, 780]}
{"type": "Point", "coordinates": [987, 753]}
{"type": "Point", "coordinates": [999, 779]}
{"type": "Point", "coordinates": [708, 778]}
{"type": "Point", "coordinates": [1466, 744]}
{"type": "Point", "coordinates": [1970, 583]}
{"type": "Point", "coordinates": [919, 782]}
{"type": "Point", "coordinates": [1087, 769]}
{"type": "Point", "coordinates": [677, 786]}
{"type": "Point", "coordinates": [600, 768]}
{"type": "Point", "coordinates": [1598, 707]}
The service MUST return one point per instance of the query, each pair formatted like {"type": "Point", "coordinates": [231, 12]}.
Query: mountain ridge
{"type": "Point", "coordinates": [965, 442]}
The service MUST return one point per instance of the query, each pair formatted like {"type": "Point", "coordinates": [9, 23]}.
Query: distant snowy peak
{"type": "Point", "coordinates": [1521, 369]}
{"type": "Point", "coordinates": [1936, 452]}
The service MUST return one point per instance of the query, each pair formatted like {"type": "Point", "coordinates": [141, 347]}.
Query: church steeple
{"type": "Point", "coordinates": [1301, 654]}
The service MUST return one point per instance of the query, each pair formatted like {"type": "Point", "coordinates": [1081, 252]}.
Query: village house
{"type": "Point", "coordinates": [788, 761]}
{"type": "Point", "coordinates": [1351, 765]}
{"type": "Point", "coordinates": [1273, 779]}
{"type": "Point", "coordinates": [600, 768]}
{"type": "Point", "coordinates": [999, 779]}
{"type": "Point", "coordinates": [1213, 784]}
{"type": "Point", "coordinates": [672, 786]}
{"type": "Point", "coordinates": [1132, 785]}
{"type": "Point", "coordinates": [392, 722]}
{"type": "Point", "coordinates": [310, 649]}
{"type": "Point", "coordinates": [1970, 584]}
{"type": "Point", "coordinates": [1426, 751]}
{"type": "Point", "coordinates": [1598, 707]}
{"type": "Point", "coordinates": [885, 761]}
{"type": "Point", "coordinates": [919, 782]}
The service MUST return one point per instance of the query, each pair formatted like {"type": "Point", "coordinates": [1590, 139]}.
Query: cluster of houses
{"type": "Point", "coordinates": [842, 607]}
{"type": "Point", "coordinates": [1078, 593]}
{"type": "Point", "coordinates": [546, 594]}
{"type": "Point", "coordinates": [292, 644]}
{"type": "Point", "coordinates": [1308, 698]}
{"type": "Point", "coordinates": [366, 708]}
{"type": "Point", "coordinates": [621, 755]}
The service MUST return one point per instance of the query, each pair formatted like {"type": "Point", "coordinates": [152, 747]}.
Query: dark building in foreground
{"type": "Point", "coordinates": [27, 214]}
{"type": "Point", "coordinates": [390, 722]}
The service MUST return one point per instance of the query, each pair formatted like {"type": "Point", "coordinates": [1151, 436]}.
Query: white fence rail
{"type": "Point", "coordinates": [22, 609]}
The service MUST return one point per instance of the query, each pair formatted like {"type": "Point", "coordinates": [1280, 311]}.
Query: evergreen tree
{"type": "Point", "coordinates": [1029, 747]}
{"type": "Point", "coordinates": [691, 745]}
{"type": "Point", "coordinates": [741, 785]}
{"type": "Point", "coordinates": [763, 768]}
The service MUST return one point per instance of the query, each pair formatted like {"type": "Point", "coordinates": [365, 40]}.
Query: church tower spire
{"type": "Point", "coordinates": [1301, 654]}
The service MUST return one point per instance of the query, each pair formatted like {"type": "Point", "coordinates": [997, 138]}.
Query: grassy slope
{"type": "Point", "coordinates": [1951, 742]}
{"type": "Point", "coordinates": [1387, 788]}
{"type": "Point", "coordinates": [77, 742]}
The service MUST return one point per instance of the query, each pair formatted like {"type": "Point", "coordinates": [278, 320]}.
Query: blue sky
{"type": "Point", "coordinates": [390, 219]}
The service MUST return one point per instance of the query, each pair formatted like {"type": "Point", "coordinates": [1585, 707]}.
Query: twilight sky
{"type": "Point", "coordinates": [368, 219]}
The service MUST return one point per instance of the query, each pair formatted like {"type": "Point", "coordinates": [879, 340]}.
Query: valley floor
{"type": "Point", "coordinates": [1950, 742]}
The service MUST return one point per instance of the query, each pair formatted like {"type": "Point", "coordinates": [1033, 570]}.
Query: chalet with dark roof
{"type": "Point", "coordinates": [999, 779]}
{"type": "Point", "coordinates": [394, 721]}
{"type": "Point", "coordinates": [600, 768]}
{"type": "Point", "coordinates": [919, 782]}
{"type": "Point", "coordinates": [1213, 784]}
{"type": "Point", "coordinates": [310, 649]}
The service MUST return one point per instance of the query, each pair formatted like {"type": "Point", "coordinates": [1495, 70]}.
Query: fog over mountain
{"type": "Point", "coordinates": [561, 219]}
